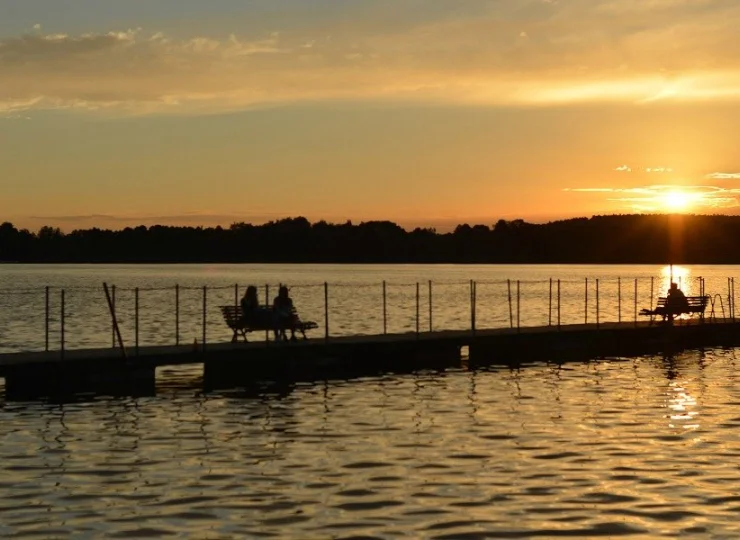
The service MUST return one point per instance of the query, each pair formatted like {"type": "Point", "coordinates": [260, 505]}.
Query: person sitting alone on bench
{"type": "Point", "coordinates": [676, 302]}
{"type": "Point", "coordinates": [252, 313]}
{"type": "Point", "coordinates": [282, 307]}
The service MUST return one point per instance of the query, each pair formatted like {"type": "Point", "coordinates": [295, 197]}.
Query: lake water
{"type": "Point", "coordinates": [355, 298]}
{"type": "Point", "coordinates": [642, 448]}
{"type": "Point", "coordinates": [636, 447]}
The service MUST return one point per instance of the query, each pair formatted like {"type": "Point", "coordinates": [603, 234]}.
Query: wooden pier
{"type": "Point", "coordinates": [228, 365]}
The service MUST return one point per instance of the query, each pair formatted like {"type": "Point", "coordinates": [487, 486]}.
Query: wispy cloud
{"type": "Point", "coordinates": [525, 52]}
{"type": "Point", "coordinates": [623, 168]}
{"type": "Point", "coordinates": [723, 176]}
{"type": "Point", "coordinates": [657, 198]}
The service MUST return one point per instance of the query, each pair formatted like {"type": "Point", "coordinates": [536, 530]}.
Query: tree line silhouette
{"type": "Point", "coordinates": [648, 239]}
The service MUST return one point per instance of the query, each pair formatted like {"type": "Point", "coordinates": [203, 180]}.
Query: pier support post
{"type": "Point", "coordinates": [558, 304]}
{"type": "Point", "coordinates": [585, 305]}
{"type": "Point", "coordinates": [549, 306]}
{"type": "Point", "coordinates": [619, 299]}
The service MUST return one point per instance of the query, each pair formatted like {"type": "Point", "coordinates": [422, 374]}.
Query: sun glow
{"type": "Point", "coordinates": [676, 201]}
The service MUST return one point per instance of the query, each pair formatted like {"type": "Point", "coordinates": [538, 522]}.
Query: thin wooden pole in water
{"type": "Point", "coordinates": [326, 311]}
{"type": "Point", "coordinates": [177, 314]}
{"type": "Point", "coordinates": [417, 310]}
{"type": "Point", "coordinates": [385, 310]}
{"type": "Point", "coordinates": [61, 323]}
{"type": "Point", "coordinates": [430, 305]}
{"type": "Point", "coordinates": [46, 319]}
{"type": "Point", "coordinates": [558, 304]}
{"type": "Point", "coordinates": [549, 308]}
{"type": "Point", "coordinates": [205, 316]}
{"type": "Point", "coordinates": [511, 314]}
{"type": "Point", "coordinates": [619, 299]}
{"type": "Point", "coordinates": [585, 308]}
{"type": "Point", "coordinates": [136, 321]}
{"type": "Point", "coordinates": [236, 295]}
{"type": "Point", "coordinates": [652, 291]}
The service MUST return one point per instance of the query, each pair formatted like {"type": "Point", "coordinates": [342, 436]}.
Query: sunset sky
{"type": "Point", "coordinates": [424, 112]}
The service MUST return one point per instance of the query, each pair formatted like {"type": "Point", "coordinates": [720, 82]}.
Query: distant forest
{"type": "Point", "coordinates": [653, 239]}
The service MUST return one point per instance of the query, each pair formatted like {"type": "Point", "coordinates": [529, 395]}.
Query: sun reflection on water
{"type": "Point", "coordinates": [680, 275]}
{"type": "Point", "coordinates": [682, 406]}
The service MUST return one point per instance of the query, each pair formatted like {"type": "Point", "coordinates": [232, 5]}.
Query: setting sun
{"type": "Point", "coordinates": [676, 201]}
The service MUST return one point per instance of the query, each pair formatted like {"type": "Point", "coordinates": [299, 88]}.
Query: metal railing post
{"type": "Point", "coordinates": [385, 310]}
{"type": "Point", "coordinates": [177, 314]}
{"type": "Point", "coordinates": [430, 305]}
{"type": "Point", "coordinates": [417, 309]}
{"type": "Point", "coordinates": [267, 303]}
{"type": "Point", "coordinates": [558, 304]}
{"type": "Point", "coordinates": [136, 321]}
{"type": "Point", "coordinates": [635, 302]}
{"type": "Point", "coordinates": [61, 323]}
{"type": "Point", "coordinates": [205, 316]}
{"type": "Point", "coordinates": [511, 313]}
{"type": "Point", "coordinates": [549, 306]}
{"type": "Point", "coordinates": [46, 319]}
{"type": "Point", "coordinates": [619, 299]}
{"type": "Point", "coordinates": [598, 315]}
{"type": "Point", "coordinates": [113, 309]}
{"type": "Point", "coordinates": [518, 306]}
{"type": "Point", "coordinates": [475, 304]}
{"type": "Point", "coordinates": [326, 311]}
{"type": "Point", "coordinates": [585, 306]}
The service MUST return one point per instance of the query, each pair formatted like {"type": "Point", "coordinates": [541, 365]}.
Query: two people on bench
{"type": "Point", "coordinates": [676, 302]}
{"type": "Point", "coordinates": [279, 318]}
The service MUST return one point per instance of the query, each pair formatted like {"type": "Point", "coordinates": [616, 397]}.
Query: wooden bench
{"type": "Point", "coordinates": [697, 304]}
{"type": "Point", "coordinates": [233, 318]}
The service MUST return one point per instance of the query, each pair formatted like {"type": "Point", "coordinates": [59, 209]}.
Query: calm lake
{"type": "Point", "coordinates": [638, 447]}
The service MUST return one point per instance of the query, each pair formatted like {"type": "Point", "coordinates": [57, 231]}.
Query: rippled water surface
{"type": "Point", "coordinates": [644, 447]}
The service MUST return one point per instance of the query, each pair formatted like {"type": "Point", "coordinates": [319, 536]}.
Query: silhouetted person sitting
{"type": "Point", "coordinates": [676, 302]}
{"type": "Point", "coordinates": [285, 316]}
{"type": "Point", "coordinates": [252, 312]}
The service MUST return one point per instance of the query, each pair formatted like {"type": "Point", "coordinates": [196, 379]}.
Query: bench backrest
{"type": "Point", "coordinates": [693, 301]}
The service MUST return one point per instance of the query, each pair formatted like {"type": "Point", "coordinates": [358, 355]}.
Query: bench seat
{"type": "Point", "coordinates": [696, 304]}
{"type": "Point", "coordinates": [233, 318]}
